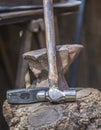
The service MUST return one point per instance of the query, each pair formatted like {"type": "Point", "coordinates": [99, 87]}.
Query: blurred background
{"type": "Point", "coordinates": [13, 34]}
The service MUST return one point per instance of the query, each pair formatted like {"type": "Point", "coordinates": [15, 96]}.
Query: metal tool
{"type": "Point", "coordinates": [57, 96]}
{"type": "Point", "coordinates": [24, 96]}
{"type": "Point", "coordinates": [50, 93]}
{"type": "Point", "coordinates": [35, 95]}
{"type": "Point", "coordinates": [50, 43]}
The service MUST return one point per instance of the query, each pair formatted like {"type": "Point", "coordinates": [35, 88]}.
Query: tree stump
{"type": "Point", "coordinates": [84, 114]}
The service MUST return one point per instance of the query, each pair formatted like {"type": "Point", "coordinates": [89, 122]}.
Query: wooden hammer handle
{"type": "Point", "coordinates": [50, 42]}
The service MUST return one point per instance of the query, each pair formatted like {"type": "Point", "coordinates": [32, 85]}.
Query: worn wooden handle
{"type": "Point", "coordinates": [50, 42]}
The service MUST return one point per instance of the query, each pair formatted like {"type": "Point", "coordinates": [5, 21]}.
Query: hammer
{"type": "Point", "coordinates": [54, 94]}
{"type": "Point", "coordinates": [50, 93]}
{"type": "Point", "coordinates": [50, 43]}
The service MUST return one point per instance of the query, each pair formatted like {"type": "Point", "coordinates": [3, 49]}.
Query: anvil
{"type": "Point", "coordinates": [49, 66]}
{"type": "Point", "coordinates": [38, 63]}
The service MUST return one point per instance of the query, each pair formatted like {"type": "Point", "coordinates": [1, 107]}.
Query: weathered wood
{"type": "Point", "coordinates": [26, 43]}
{"type": "Point", "coordinates": [39, 31]}
{"type": "Point", "coordinates": [19, 16]}
{"type": "Point", "coordinates": [26, 40]}
{"type": "Point", "coordinates": [21, 2]}
{"type": "Point", "coordinates": [92, 41]}
{"type": "Point", "coordinates": [6, 61]}
{"type": "Point", "coordinates": [53, 76]}
{"type": "Point", "coordinates": [84, 114]}
{"type": "Point", "coordinates": [26, 15]}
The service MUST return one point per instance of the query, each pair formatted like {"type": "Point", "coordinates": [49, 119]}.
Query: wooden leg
{"type": "Point", "coordinates": [7, 63]}
{"type": "Point", "coordinates": [22, 65]}
{"type": "Point", "coordinates": [26, 40]}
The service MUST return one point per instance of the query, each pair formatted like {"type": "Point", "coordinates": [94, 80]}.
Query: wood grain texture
{"type": "Point", "coordinates": [21, 2]}
{"type": "Point", "coordinates": [84, 114]}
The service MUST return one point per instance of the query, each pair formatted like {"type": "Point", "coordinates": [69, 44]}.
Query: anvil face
{"type": "Point", "coordinates": [38, 62]}
{"type": "Point", "coordinates": [65, 53]}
